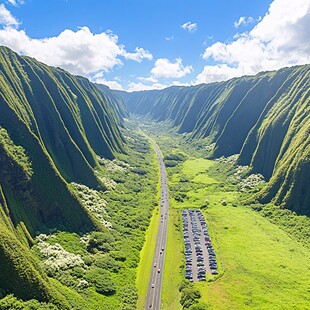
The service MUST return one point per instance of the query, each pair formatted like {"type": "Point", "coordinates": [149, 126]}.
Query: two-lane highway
{"type": "Point", "coordinates": [153, 298]}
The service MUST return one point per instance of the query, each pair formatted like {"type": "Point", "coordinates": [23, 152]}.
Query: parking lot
{"type": "Point", "coordinates": [200, 257]}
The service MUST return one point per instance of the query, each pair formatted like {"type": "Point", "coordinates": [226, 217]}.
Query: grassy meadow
{"type": "Point", "coordinates": [261, 265]}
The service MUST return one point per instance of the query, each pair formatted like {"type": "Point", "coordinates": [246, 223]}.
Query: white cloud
{"type": "Point", "coordinates": [81, 52]}
{"type": "Point", "coordinates": [100, 79]}
{"type": "Point", "coordinates": [281, 38]}
{"type": "Point", "coordinates": [16, 2]}
{"type": "Point", "coordinates": [189, 26]}
{"type": "Point", "coordinates": [139, 54]}
{"type": "Point", "coordinates": [6, 18]}
{"type": "Point", "coordinates": [169, 38]}
{"type": "Point", "coordinates": [148, 79]}
{"type": "Point", "coordinates": [163, 68]}
{"type": "Point", "coordinates": [111, 84]}
{"type": "Point", "coordinates": [217, 73]}
{"type": "Point", "coordinates": [140, 86]}
{"type": "Point", "coordinates": [245, 21]}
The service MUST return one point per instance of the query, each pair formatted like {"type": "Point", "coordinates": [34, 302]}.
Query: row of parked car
{"type": "Point", "coordinates": [200, 238]}
{"type": "Point", "coordinates": [208, 243]}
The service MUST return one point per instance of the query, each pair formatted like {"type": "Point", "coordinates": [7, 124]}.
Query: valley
{"type": "Point", "coordinates": [94, 182]}
{"type": "Point", "coordinates": [254, 252]}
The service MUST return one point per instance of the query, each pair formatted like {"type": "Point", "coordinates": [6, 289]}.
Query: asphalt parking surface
{"type": "Point", "coordinates": [199, 253]}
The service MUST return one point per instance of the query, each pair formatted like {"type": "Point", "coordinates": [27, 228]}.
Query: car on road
{"type": "Point", "coordinates": [158, 270]}
{"type": "Point", "coordinates": [155, 264]}
{"type": "Point", "coordinates": [153, 285]}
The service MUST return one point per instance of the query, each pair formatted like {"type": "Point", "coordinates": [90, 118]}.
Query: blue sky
{"type": "Point", "coordinates": [134, 45]}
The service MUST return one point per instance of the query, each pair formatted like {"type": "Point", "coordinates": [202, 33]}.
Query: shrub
{"type": "Point", "coordinates": [108, 263]}
{"type": "Point", "coordinates": [184, 284]}
{"type": "Point", "coordinates": [199, 306]}
{"type": "Point", "coordinates": [129, 297]}
{"type": "Point", "coordinates": [78, 272]}
{"type": "Point", "coordinates": [102, 281]}
{"type": "Point", "coordinates": [56, 257]}
{"type": "Point", "coordinates": [189, 297]}
{"type": "Point", "coordinates": [205, 204]}
{"type": "Point", "coordinates": [10, 302]}
{"type": "Point", "coordinates": [118, 255]}
{"type": "Point", "coordinates": [100, 241]}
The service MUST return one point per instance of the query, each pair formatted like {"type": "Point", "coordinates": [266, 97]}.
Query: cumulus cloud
{"type": "Point", "coordinates": [80, 52]}
{"type": "Point", "coordinates": [111, 84]}
{"type": "Point", "coordinates": [100, 79]}
{"type": "Point", "coordinates": [163, 68]}
{"type": "Point", "coordinates": [139, 54]}
{"type": "Point", "coordinates": [280, 39]}
{"type": "Point", "coordinates": [217, 73]}
{"type": "Point", "coordinates": [156, 85]}
{"type": "Point", "coordinates": [6, 18]}
{"type": "Point", "coordinates": [148, 79]}
{"type": "Point", "coordinates": [189, 26]}
{"type": "Point", "coordinates": [245, 21]}
{"type": "Point", "coordinates": [140, 86]}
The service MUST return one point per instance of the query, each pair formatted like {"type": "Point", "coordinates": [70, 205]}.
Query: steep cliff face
{"type": "Point", "coordinates": [52, 128]}
{"type": "Point", "coordinates": [265, 118]}
{"type": "Point", "coordinates": [115, 102]}
{"type": "Point", "coordinates": [68, 115]}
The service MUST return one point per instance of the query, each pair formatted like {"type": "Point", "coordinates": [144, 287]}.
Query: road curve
{"type": "Point", "coordinates": [153, 298]}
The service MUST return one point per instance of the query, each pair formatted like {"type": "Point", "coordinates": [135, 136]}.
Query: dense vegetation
{"type": "Point", "coordinates": [72, 216]}
{"type": "Point", "coordinates": [264, 118]}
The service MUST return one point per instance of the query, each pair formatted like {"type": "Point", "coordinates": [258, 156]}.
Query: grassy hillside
{"type": "Point", "coordinates": [264, 118]}
{"type": "Point", "coordinates": [69, 115]}
{"type": "Point", "coordinates": [55, 128]}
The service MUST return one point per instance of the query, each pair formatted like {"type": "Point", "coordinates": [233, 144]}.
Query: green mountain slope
{"type": "Point", "coordinates": [68, 114]}
{"type": "Point", "coordinates": [53, 127]}
{"type": "Point", "coordinates": [264, 118]}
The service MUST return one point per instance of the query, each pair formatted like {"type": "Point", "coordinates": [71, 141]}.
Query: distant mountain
{"type": "Point", "coordinates": [53, 127]}
{"type": "Point", "coordinates": [115, 102]}
{"type": "Point", "coordinates": [265, 118]}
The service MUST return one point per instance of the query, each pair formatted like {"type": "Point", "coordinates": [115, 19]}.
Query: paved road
{"type": "Point", "coordinates": [153, 298]}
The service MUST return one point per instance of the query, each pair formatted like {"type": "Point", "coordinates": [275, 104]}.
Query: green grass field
{"type": "Point", "coordinates": [146, 259]}
{"type": "Point", "coordinates": [193, 167]}
{"type": "Point", "coordinates": [173, 260]}
{"type": "Point", "coordinates": [261, 266]}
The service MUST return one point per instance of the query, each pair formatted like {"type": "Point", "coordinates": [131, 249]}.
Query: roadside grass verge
{"type": "Point", "coordinates": [173, 261]}
{"type": "Point", "coordinates": [146, 259]}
